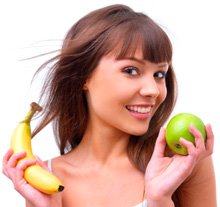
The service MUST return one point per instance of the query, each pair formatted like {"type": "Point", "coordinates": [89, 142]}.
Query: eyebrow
{"type": "Point", "coordinates": [134, 59]}
{"type": "Point", "coordinates": [161, 65]}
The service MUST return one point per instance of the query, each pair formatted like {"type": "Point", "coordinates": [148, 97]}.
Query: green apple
{"type": "Point", "coordinates": [178, 127]}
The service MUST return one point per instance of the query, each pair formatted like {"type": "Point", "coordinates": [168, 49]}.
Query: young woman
{"type": "Point", "coordinates": [108, 94]}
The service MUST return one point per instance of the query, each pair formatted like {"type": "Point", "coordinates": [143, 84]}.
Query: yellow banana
{"type": "Point", "coordinates": [35, 175]}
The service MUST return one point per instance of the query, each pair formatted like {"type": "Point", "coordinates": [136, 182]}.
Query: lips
{"type": "Point", "coordinates": [140, 111]}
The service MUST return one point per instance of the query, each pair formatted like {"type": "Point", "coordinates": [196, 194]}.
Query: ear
{"type": "Point", "coordinates": [85, 88]}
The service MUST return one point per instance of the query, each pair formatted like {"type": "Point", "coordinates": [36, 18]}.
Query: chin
{"type": "Point", "coordinates": [138, 132]}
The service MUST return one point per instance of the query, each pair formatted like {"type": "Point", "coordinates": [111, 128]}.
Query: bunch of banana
{"type": "Point", "coordinates": [35, 175]}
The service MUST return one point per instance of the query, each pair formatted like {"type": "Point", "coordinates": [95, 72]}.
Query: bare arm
{"type": "Point", "coordinates": [164, 175]}
{"type": "Point", "coordinates": [199, 189]}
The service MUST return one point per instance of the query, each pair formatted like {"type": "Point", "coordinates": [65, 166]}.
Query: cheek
{"type": "Point", "coordinates": [110, 91]}
{"type": "Point", "coordinates": [102, 98]}
{"type": "Point", "coordinates": [163, 94]}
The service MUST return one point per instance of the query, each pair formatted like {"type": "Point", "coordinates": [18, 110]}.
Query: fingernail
{"type": "Point", "coordinates": [182, 139]}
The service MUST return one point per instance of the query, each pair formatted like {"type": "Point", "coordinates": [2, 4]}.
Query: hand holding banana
{"type": "Point", "coordinates": [35, 175]}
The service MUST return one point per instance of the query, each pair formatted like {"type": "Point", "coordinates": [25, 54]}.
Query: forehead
{"type": "Point", "coordinates": [147, 47]}
{"type": "Point", "coordinates": [133, 51]}
{"type": "Point", "coordinates": [137, 57]}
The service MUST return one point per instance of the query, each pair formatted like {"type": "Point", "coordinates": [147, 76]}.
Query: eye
{"type": "Point", "coordinates": [131, 70]}
{"type": "Point", "coordinates": [160, 74]}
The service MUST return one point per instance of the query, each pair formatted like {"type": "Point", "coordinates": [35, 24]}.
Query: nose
{"type": "Point", "coordinates": [150, 88]}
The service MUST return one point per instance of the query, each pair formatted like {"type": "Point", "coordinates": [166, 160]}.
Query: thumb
{"type": "Point", "coordinates": [41, 163]}
{"type": "Point", "coordinates": [160, 144]}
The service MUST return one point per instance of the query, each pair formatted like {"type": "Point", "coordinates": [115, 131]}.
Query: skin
{"type": "Point", "coordinates": [165, 178]}
{"type": "Point", "coordinates": [98, 172]}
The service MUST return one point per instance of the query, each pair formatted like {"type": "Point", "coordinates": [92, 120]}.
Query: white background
{"type": "Point", "coordinates": [29, 28]}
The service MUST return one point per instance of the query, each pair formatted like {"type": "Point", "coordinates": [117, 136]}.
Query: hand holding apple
{"type": "Point", "coordinates": [178, 127]}
{"type": "Point", "coordinates": [165, 174]}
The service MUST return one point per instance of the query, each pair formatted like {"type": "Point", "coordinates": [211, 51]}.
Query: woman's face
{"type": "Point", "coordinates": [124, 94]}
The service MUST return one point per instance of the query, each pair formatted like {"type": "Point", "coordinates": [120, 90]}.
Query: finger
{"type": "Point", "coordinates": [21, 167]}
{"type": "Point", "coordinates": [18, 176]}
{"type": "Point", "coordinates": [210, 139]}
{"type": "Point", "coordinates": [160, 144]}
{"type": "Point", "coordinates": [25, 164]}
{"type": "Point", "coordinates": [7, 156]}
{"type": "Point", "coordinates": [41, 163]}
{"type": "Point", "coordinates": [199, 140]}
{"type": "Point", "coordinates": [189, 145]}
{"type": "Point", "coordinates": [12, 162]}
{"type": "Point", "coordinates": [5, 160]}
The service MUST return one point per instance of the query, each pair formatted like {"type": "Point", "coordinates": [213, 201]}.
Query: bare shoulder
{"type": "Point", "coordinates": [203, 170]}
{"type": "Point", "coordinates": [61, 164]}
{"type": "Point", "coordinates": [199, 189]}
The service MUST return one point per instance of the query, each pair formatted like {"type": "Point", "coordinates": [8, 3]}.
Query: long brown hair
{"type": "Point", "coordinates": [117, 29]}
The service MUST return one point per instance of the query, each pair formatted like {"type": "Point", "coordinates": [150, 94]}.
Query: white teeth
{"type": "Point", "coordinates": [139, 109]}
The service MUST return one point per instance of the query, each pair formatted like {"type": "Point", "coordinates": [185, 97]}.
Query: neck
{"type": "Point", "coordinates": [103, 146]}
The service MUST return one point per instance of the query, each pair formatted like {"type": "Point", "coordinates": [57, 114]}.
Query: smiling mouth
{"type": "Point", "coordinates": [139, 109]}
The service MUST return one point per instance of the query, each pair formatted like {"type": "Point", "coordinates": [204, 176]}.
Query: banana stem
{"type": "Point", "coordinates": [34, 108]}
